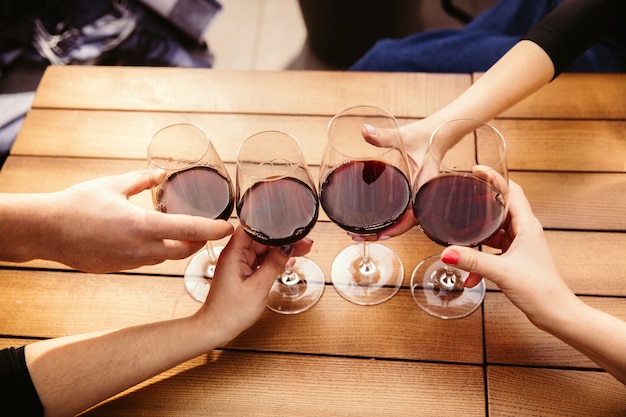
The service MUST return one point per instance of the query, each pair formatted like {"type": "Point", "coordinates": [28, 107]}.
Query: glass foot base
{"type": "Point", "coordinates": [438, 289]}
{"type": "Point", "coordinates": [301, 295]}
{"type": "Point", "coordinates": [367, 285]}
{"type": "Point", "coordinates": [198, 274]}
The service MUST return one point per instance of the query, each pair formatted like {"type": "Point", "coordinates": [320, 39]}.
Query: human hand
{"type": "Point", "coordinates": [415, 137]}
{"type": "Point", "coordinates": [244, 274]}
{"type": "Point", "coordinates": [525, 271]}
{"type": "Point", "coordinates": [94, 228]}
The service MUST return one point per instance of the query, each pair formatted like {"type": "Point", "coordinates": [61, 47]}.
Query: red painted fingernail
{"type": "Point", "coordinates": [451, 257]}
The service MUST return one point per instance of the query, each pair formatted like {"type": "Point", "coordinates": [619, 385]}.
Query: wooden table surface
{"type": "Point", "coordinates": [567, 148]}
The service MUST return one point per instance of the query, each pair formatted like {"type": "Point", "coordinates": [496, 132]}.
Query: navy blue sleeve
{"type": "Point", "coordinates": [17, 392]}
{"type": "Point", "coordinates": [575, 25]}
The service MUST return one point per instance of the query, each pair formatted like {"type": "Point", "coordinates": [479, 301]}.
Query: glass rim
{"type": "Point", "coordinates": [209, 143]}
{"type": "Point", "coordinates": [499, 162]}
{"type": "Point", "coordinates": [293, 165]}
{"type": "Point", "coordinates": [384, 149]}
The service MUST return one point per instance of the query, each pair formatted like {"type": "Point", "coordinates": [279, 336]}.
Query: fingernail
{"type": "Point", "coordinates": [286, 250]}
{"type": "Point", "coordinates": [384, 237]}
{"type": "Point", "coordinates": [308, 239]}
{"type": "Point", "coordinates": [371, 130]}
{"type": "Point", "coordinates": [451, 257]}
{"type": "Point", "coordinates": [472, 280]}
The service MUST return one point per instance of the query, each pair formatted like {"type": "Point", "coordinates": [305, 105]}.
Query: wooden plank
{"type": "Point", "coordinates": [244, 384]}
{"type": "Point", "coordinates": [234, 376]}
{"type": "Point", "coordinates": [547, 145]}
{"type": "Point", "coordinates": [575, 96]}
{"type": "Point", "coordinates": [559, 199]}
{"type": "Point", "coordinates": [590, 261]}
{"type": "Point", "coordinates": [511, 339]}
{"type": "Point", "coordinates": [53, 304]}
{"type": "Point", "coordinates": [267, 92]}
{"type": "Point", "coordinates": [122, 134]}
{"type": "Point", "coordinates": [549, 392]}
{"type": "Point", "coordinates": [586, 268]}
{"type": "Point", "coordinates": [589, 267]}
{"type": "Point", "coordinates": [579, 201]}
{"type": "Point", "coordinates": [565, 145]}
{"type": "Point", "coordinates": [43, 175]}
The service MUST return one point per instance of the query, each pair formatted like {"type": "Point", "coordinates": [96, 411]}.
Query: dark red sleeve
{"type": "Point", "coordinates": [17, 392]}
{"type": "Point", "coordinates": [575, 25]}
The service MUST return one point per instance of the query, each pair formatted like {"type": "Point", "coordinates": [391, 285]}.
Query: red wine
{"type": "Point", "coordinates": [365, 196]}
{"type": "Point", "coordinates": [458, 210]}
{"type": "Point", "coordinates": [279, 212]}
{"type": "Point", "coordinates": [198, 191]}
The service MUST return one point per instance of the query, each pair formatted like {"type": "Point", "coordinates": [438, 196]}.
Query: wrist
{"type": "Point", "coordinates": [210, 331]}
{"type": "Point", "coordinates": [24, 226]}
{"type": "Point", "coordinates": [558, 314]}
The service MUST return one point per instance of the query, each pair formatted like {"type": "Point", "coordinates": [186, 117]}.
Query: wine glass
{"type": "Point", "coordinates": [460, 198]}
{"type": "Point", "coordinates": [277, 205]}
{"type": "Point", "coordinates": [365, 189]}
{"type": "Point", "coordinates": [196, 183]}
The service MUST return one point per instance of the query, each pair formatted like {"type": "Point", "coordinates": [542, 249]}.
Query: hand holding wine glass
{"type": "Point", "coordinates": [277, 205]}
{"type": "Point", "coordinates": [196, 183]}
{"type": "Point", "coordinates": [365, 189]}
{"type": "Point", "coordinates": [460, 198]}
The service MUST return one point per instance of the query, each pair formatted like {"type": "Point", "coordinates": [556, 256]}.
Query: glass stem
{"type": "Point", "coordinates": [291, 284]}
{"type": "Point", "coordinates": [449, 278]}
{"type": "Point", "coordinates": [367, 270]}
{"type": "Point", "coordinates": [211, 253]}
{"type": "Point", "coordinates": [289, 277]}
{"type": "Point", "coordinates": [210, 267]}
{"type": "Point", "coordinates": [447, 284]}
{"type": "Point", "coordinates": [366, 254]}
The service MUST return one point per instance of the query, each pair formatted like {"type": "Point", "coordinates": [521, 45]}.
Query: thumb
{"type": "Point", "coordinates": [137, 181]}
{"type": "Point", "coordinates": [478, 264]}
{"type": "Point", "coordinates": [379, 137]}
{"type": "Point", "coordinates": [273, 265]}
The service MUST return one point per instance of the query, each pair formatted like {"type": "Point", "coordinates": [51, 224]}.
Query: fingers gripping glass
{"type": "Point", "coordinates": [460, 198]}
{"type": "Point", "coordinates": [364, 189]}
{"type": "Point", "coordinates": [277, 205]}
{"type": "Point", "coordinates": [196, 183]}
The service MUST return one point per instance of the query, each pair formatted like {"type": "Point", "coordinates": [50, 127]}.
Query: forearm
{"type": "Point", "coordinates": [74, 373]}
{"type": "Point", "coordinates": [596, 334]}
{"type": "Point", "coordinates": [524, 69]}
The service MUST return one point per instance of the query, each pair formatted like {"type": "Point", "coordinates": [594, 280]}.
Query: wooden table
{"type": "Point", "coordinates": [567, 148]}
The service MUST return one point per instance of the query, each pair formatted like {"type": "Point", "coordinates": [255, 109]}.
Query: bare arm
{"type": "Point", "coordinates": [555, 309]}
{"type": "Point", "coordinates": [93, 227]}
{"type": "Point", "coordinates": [596, 334]}
{"type": "Point", "coordinates": [524, 69]}
{"type": "Point", "coordinates": [74, 373]}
